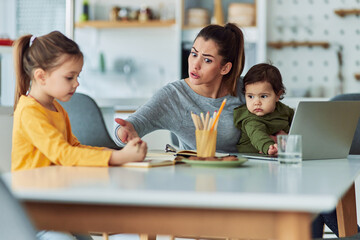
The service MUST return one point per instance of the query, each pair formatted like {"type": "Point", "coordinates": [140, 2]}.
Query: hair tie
{"type": "Point", "coordinates": [33, 37]}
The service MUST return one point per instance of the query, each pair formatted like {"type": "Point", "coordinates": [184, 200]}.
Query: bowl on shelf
{"type": "Point", "coordinates": [198, 17]}
{"type": "Point", "coordinates": [242, 14]}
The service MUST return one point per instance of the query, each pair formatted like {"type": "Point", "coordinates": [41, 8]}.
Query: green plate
{"type": "Point", "coordinates": [197, 163]}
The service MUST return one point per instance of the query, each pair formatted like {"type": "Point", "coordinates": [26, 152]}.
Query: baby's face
{"type": "Point", "coordinates": [260, 98]}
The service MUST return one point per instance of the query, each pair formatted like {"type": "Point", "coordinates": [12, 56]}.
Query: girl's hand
{"type": "Point", "coordinates": [134, 151]}
{"type": "Point", "coordinates": [273, 149]}
{"type": "Point", "coordinates": [127, 131]}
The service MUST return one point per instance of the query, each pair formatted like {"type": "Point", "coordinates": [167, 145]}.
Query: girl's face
{"type": "Point", "coordinates": [260, 98]}
{"type": "Point", "coordinates": [205, 63]}
{"type": "Point", "coordinates": [62, 82]}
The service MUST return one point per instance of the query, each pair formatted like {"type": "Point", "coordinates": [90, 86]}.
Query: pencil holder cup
{"type": "Point", "coordinates": [205, 142]}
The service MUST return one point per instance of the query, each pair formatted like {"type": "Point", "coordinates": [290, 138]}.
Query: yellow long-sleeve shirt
{"type": "Point", "coordinates": [42, 137]}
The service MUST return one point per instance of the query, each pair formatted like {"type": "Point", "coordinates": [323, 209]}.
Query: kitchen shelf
{"type": "Point", "coordinates": [345, 12]}
{"type": "Point", "coordinates": [125, 24]}
{"type": "Point", "coordinates": [280, 44]}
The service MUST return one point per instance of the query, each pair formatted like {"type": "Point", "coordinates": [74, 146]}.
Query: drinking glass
{"type": "Point", "coordinates": [289, 149]}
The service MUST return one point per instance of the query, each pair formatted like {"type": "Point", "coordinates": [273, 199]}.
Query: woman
{"type": "Point", "coordinates": [216, 62]}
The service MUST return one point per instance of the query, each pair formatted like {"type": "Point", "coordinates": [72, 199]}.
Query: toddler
{"type": "Point", "coordinates": [264, 115]}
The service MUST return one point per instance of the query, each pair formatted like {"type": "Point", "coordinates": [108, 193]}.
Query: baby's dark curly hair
{"type": "Point", "coordinates": [264, 72]}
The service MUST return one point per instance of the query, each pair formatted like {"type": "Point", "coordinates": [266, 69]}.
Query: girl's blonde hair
{"type": "Point", "coordinates": [42, 52]}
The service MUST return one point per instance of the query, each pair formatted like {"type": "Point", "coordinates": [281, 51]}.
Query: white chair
{"type": "Point", "coordinates": [6, 125]}
{"type": "Point", "coordinates": [14, 223]}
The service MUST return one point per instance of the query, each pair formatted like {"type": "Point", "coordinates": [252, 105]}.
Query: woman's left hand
{"type": "Point", "coordinates": [127, 131]}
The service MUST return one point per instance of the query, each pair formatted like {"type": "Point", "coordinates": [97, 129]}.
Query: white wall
{"type": "Point", "coordinates": [7, 30]}
{"type": "Point", "coordinates": [316, 68]}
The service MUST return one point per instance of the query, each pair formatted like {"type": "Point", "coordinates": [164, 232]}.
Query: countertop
{"type": "Point", "coordinates": [135, 103]}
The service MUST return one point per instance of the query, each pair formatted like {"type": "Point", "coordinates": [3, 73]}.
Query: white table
{"type": "Point", "coordinates": [257, 200]}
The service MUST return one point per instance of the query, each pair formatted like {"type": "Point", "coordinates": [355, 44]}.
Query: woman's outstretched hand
{"type": "Point", "coordinates": [127, 131]}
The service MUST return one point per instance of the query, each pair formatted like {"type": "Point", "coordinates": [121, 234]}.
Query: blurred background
{"type": "Point", "coordinates": [134, 47]}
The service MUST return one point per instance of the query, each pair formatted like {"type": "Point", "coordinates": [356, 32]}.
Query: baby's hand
{"type": "Point", "coordinates": [273, 149]}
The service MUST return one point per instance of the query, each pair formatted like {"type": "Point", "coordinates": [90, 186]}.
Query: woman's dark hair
{"type": "Point", "coordinates": [43, 52]}
{"type": "Point", "coordinates": [230, 42]}
{"type": "Point", "coordinates": [264, 72]}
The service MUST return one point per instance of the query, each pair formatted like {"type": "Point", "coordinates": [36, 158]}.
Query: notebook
{"type": "Point", "coordinates": [327, 129]}
{"type": "Point", "coordinates": [153, 159]}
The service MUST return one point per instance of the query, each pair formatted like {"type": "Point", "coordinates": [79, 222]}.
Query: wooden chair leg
{"type": "Point", "coordinates": [346, 213]}
{"type": "Point", "coordinates": [105, 236]}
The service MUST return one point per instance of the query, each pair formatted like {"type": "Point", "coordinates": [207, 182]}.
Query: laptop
{"type": "Point", "coordinates": [327, 129]}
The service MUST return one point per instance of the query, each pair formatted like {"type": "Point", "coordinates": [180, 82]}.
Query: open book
{"type": "Point", "coordinates": [154, 159]}
{"type": "Point", "coordinates": [160, 158]}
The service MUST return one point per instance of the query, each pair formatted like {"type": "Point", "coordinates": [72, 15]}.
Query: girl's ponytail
{"type": "Point", "coordinates": [22, 85]}
{"type": "Point", "coordinates": [44, 52]}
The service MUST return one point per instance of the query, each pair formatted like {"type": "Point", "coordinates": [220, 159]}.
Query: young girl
{"type": "Point", "coordinates": [47, 68]}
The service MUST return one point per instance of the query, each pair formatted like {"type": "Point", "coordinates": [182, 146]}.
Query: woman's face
{"type": "Point", "coordinates": [205, 63]}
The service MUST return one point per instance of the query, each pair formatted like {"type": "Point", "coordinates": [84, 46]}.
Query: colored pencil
{"type": "Point", "coordinates": [218, 114]}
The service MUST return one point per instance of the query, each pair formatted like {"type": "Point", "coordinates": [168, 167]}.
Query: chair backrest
{"type": "Point", "coordinates": [174, 140]}
{"type": "Point", "coordinates": [14, 223]}
{"type": "Point", "coordinates": [87, 122]}
{"type": "Point", "coordinates": [6, 126]}
{"type": "Point", "coordinates": [355, 146]}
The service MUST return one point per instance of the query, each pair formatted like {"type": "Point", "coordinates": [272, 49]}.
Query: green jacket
{"type": "Point", "coordinates": [256, 131]}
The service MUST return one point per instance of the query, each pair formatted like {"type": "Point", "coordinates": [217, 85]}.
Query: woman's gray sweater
{"type": "Point", "coordinates": [170, 108]}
